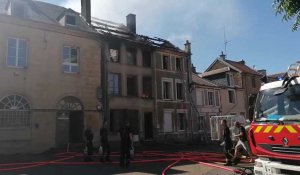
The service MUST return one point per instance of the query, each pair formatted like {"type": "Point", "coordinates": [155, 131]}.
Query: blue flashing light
{"type": "Point", "coordinates": [280, 78]}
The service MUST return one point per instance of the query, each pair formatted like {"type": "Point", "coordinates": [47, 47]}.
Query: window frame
{"type": "Point", "coordinates": [17, 54]}
{"type": "Point", "coordinates": [230, 80]}
{"type": "Point", "coordinates": [69, 63]}
{"type": "Point", "coordinates": [181, 64]}
{"type": "Point", "coordinates": [234, 96]}
{"type": "Point", "coordinates": [145, 63]}
{"type": "Point", "coordinates": [134, 52]}
{"type": "Point", "coordinates": [212, 99]}
{"type": "Point", "coordinates": [168, 80]}
{"type": "Point", "coordinates": [168, 62]}
{"type": "Point", "coordinates": [144, 95]}
{"type": "Point", "coordinates": [178, 81]}
{"type": "Point", "coordinates": [66, 21]}
{"type": "Point", "coordinates": [179, 121]}
{"type": "Point", "coordinates": [135, 77]}
{"type": "Point", "coordinates": [119, 84]}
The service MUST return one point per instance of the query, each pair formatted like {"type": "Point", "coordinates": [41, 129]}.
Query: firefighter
{"type": "Point", "coordinates": [126, 145]}
{"type": "Point", "coordinates": [104, 143]}
{"type": "Point", "coordinates": [89, 143]}
{"type": "Point", "coordinates": [227, 143]}
{"type": "Point", "coordinates": [242, 144]}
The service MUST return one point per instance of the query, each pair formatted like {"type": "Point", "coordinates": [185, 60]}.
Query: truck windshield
{"type": "Point", "coordinates": [285, 106]}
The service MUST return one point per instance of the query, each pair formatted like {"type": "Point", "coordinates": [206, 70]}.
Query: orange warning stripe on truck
{"type": "Point", "coordinates": [277, 129]}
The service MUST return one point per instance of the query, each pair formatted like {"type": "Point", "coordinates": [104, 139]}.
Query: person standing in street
{"type": "Point", "coordinates": [242, 144]}
{"type": "Point", "coordinates": [227, 143]}
{"type": "Point", "coordinates": [104, 143]}
{"type": "Point", "coordinates": [89, 136]}
{"type": "Point", "coordinates": [126, 145]}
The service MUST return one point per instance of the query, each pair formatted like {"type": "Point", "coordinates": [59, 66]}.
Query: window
{"type": "Point", "coordinates": [146, 59]}
{"type": "Point", "coordinates": [179, 91]}
{"type": "Point", "coordinates": [131, 56]}
{"type": "Point", "coordinates": [18, 10]}
{"type": "Point", "coordinates": [168, 121]}
{"type": "Point", "coordinates": [182, 121]}
{"type": "Point", "coordinates": [211, 98]}
{"type": "Point", "coordinates": [200, 96]}
{"type": "Point", "coordinates": [253, 83]}
{"type": "Point", "coordinates": [200, 122]}
{"type": "Point", "coordinates": [16, 52]}
{"type": "Point", "coordinates": [166, 62]}
{"type": "Point", "coordinates": [70, 20]}
{"type": "Point", "coordinates": [167, 89]}
{"type": "Point", "coordinates": [179, 65]}
{"type": "Point", "coordinates": [114, 82]}
{"type": "Point", "coordinates": [132, 87]}
{"type": "Point", "coordinates": [147, 87]}
{"type": "Point", "coordinates": [217, 98]}
{"type": "Point", "coordinates": [230, 81]}
{"type": "Point", "coordinates": [231, 95]}
{"type": "Point", "coordinates": [70, 59]}
{"type": "Point", "coordinates": [114, 54]}
{"type": "Point", "coordinates": [14, 112]}
{"type": "Point", "coordinates": [118, 118]}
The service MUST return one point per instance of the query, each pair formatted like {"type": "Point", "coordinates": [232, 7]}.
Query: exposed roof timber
{"type": "Point", "coordinates": [216, 71]}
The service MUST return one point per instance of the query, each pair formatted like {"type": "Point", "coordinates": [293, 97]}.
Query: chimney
{"type": "Point", "coordinates": [222, 56]}
{"type": "Point", "coordinates": [86, 10]}
{"type": "Point", "coordinates": [262, 71]}
{"type": "Point", "coordinates": [242, 62]}
{"type": "Point", "coordinates": [187, 47]}
{"type": "Point", "coordinates": [131, 24]}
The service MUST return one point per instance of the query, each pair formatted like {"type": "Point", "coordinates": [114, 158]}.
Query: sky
{"type": "Point", "coordinates": [252, 30]}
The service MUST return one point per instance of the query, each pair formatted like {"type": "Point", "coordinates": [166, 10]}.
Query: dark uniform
{"type": "Point", "coordinates": [105, 144]}
{"type": "Point", "coordinates": [126, 144]}
{"type": "Point", "coordinates": [227, 145]}
{"type": "Point", "coordinates": [89, 143]}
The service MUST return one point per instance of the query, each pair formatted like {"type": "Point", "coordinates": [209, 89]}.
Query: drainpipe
{"type": "Point", "coordinates": [104, 86]}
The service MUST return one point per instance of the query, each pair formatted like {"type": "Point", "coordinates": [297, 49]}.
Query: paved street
{"type": "Point", "coordinates": [190, 160]}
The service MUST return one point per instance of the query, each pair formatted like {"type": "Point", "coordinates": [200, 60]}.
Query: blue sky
{"type": "Point", "coordinates": [254, 32]}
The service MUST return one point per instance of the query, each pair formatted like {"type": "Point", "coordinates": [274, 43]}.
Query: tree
{"type": "Point", "coordinates": [290, 10]}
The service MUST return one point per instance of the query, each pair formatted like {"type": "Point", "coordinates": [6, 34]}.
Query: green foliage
{"type": "Point", "coordinates": [290, 9]}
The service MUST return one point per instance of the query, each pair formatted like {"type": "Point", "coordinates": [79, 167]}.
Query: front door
{"type": "Point", "coordinates": [76, 127]}
{"type": "Point", "coordinates": [148, 125]}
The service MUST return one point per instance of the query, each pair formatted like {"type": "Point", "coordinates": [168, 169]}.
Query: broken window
{"type": "Point", "coordinates": [70, 20]}
{"type": "Point", "coordinates": [179, 91]}
{"type": "Point", "coordinates": [231, 94]}
{"type": "Point", "coordinates": [182, 121]}
{"type": "Point", "coordinates": [166, 62]}
{"type": "Point", "coordinates": [179, 64]}
{"type": "Point", "coordinates": [119, 117]}
{"type": "Point", "coordinates": [146, 59]}
{"type": "Point", "coordinates": [147, 87]}
{"type": "Point", "coordinates": [230, 81]}
{"type": "Point", "coordinates": [132, 85]}
{"type": "Point", "coordinates": [211, 98]}
{"type": "Point", "coordinates": [114, 53]}
{"type": "Point", "coordinates": [131, 56]}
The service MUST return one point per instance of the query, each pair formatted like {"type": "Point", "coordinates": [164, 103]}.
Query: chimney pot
{"type": "Point", "coordinates": [222, 56]}
{"type": "Point", "coordinates": [131, 22]}
{"type": "Point", "coordinates": [187, 47]}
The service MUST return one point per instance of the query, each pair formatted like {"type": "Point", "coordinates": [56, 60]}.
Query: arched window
{"type": "Point", "coordinates": [14, 112]}
{"type": "Point", "coordinates": [67, 104]}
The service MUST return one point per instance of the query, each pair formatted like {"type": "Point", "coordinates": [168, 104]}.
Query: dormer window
{"type": "Point", "coordinates": [70, 20]}
{"type": "Point", "coordinates": [18, 10]}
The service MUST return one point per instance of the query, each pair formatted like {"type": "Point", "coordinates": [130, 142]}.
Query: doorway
{"type": "Point", "coordinates": [148, 125]}
{"type": "Point", "coordinates": [76, 127]}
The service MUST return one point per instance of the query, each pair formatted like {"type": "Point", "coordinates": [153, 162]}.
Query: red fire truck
{"type": "Point", "coordinates": [275, 131]}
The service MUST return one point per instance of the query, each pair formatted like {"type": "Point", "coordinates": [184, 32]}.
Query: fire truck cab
{"type": "Point", "coordinates": [275, 131]}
